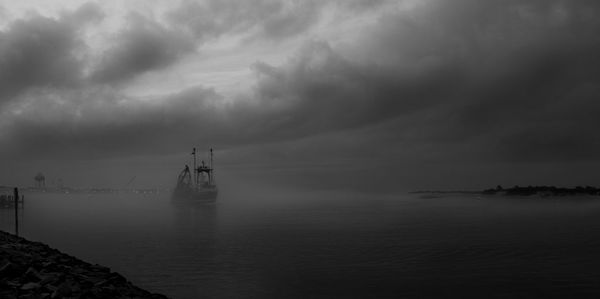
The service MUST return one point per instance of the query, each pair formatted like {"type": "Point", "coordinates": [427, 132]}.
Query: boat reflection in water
{"type": "Point", "coordinates": [200, 187]}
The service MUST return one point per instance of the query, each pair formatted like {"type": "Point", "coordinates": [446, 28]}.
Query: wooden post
{"type": "Point", "coordinates": [16, 211]}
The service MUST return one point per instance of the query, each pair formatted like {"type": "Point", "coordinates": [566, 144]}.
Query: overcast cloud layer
{"type": "Point", "coordinates": [430, 84]}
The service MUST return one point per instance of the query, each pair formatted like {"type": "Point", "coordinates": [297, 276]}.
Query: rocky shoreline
{"type": "Point", "coordinates": [34, 270]}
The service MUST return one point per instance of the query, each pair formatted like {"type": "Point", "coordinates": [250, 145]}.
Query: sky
{"type": "Point", "coordinates": [373, 95]}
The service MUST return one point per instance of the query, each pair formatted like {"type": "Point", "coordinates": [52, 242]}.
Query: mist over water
{"type": "Point", "coordinates": [262, 241]}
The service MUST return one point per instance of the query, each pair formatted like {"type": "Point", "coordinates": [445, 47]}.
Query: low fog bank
{"type": "Point", "coordinates": [302, 169]}
{"type": "Point", "coordinates": [392, 179]}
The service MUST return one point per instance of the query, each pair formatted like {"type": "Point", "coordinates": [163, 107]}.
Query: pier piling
{"type": "Point", "coordinates": [16, 211]}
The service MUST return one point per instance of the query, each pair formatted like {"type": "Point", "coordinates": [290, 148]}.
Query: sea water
{"type": "Point", "coordinates": [277, 243]}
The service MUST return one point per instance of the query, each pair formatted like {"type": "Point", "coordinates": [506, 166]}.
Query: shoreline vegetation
{"type": "Point", "coordinates": [543, 191]}
{"type": "Point", "coordinates": [34, 270]}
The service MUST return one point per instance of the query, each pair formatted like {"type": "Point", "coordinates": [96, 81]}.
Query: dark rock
{"type": "Point", "coordinates": [101, 283]}
{"type": "Point", "coordinates": [30, 286]}
{"type": "Point", "coordinates": [117, 278]}
{"type": "Point", "coordinates": [62, 291]}
{"type": "Point", "coordinates": [47, 279]}
{"type": "Point", "coordinates": [5, 268]}
{"type": "Point", "coordinates": [31, 275]}
{"type": "Point", "coordinates": [48, 264]}
{"type": "Point", "coordinates": [11, 270]}
{"type": "Point", "coordinates": [12, 284]}
{"type": "Point", "coordinates": [8, 295]}
{"type": "Point", "coordinates": [99, 268]}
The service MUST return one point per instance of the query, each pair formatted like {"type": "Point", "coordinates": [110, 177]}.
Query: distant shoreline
{"type": "Point", "coordinates": [543, 191]}
{"type": "Point", "coordinates": [68, 190]}
{"type": "Point", "coordinates": [34, 270]}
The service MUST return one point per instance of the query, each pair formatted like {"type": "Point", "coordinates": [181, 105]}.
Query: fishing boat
{"type": "Point", "coordinates": [198, 184]}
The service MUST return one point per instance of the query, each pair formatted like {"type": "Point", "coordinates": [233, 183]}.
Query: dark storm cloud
{"type": "Point", "coordinates": [514, 79]}
{"type": "Point", "coordinates": [143, 46]}
{"type": "Point", "coordinates": [319, 90]}
{"type": "Point", "coordinates": [100, 122]}
{"type": "Point", "coordinates": [41, 51]}
{"type": "Point", "coordinates": [44, 51]}
{"type": "Point", "coordinates": [464, 80]}
{"type": "Point", "coordinates": [535, 99]}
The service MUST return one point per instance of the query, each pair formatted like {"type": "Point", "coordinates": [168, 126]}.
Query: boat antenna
{"type": "Point", "coordinates": [195, 170]}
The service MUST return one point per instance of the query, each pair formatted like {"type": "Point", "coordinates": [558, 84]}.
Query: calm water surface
{"type": "Point", "coordinates": [278, 244]}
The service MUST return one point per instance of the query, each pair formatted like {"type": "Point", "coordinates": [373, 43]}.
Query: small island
{"type": "Point", "coordinates": [543, 191]}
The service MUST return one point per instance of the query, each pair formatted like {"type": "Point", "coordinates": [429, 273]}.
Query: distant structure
{"type": "Point", "coordinates": [40, 180]}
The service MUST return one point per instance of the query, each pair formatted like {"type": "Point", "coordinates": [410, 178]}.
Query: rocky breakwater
{"type": "Point", "coordinates": [34, 270]}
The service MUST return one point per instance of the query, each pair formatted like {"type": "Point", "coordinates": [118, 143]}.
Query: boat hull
{"type": "Point", "coordinates": [191, 195]}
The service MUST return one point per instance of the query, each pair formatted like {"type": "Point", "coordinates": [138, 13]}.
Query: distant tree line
{"type": "Point", "coordinates": [543, 190]}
